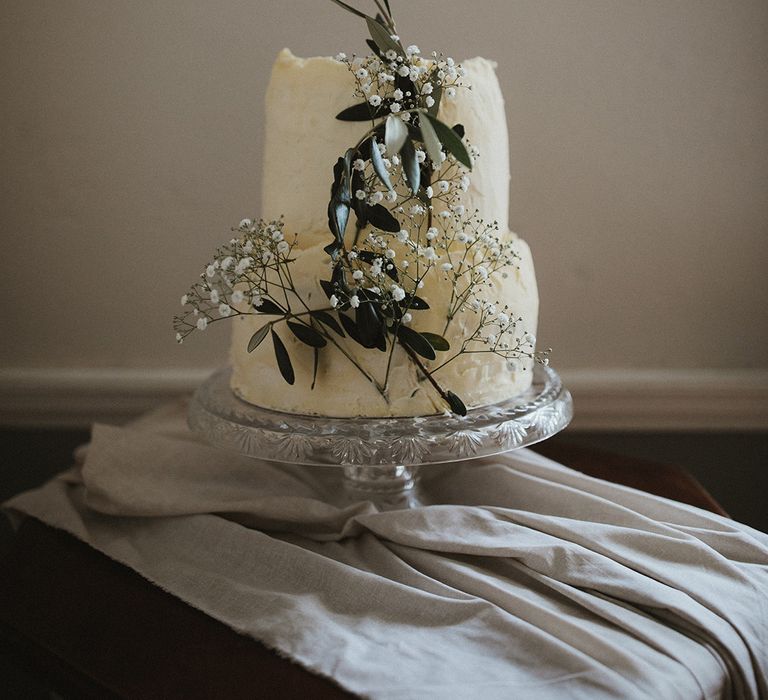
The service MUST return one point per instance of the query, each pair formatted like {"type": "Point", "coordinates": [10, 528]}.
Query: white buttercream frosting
{"type": "Point", "coordinates": [303, 141]}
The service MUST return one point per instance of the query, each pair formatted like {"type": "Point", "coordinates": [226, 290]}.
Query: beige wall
{"type": "Point", "coordinates": [130, 140]}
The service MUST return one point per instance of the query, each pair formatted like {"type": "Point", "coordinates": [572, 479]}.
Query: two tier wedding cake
{"type": "Point", "coordinates": [391, 284]}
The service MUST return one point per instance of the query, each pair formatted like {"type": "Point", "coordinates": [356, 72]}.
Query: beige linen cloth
{"type": "Point", "coordinates": [530, 581]}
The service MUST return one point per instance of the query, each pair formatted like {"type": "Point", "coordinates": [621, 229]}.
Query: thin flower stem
{"type": "Point", "coordinates": [426, 373]}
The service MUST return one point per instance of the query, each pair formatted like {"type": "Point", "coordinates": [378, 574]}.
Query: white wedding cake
{"type": "Point", "coordinates": [303, 141]}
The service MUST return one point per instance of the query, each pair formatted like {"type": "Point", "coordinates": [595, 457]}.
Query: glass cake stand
{"type": "Point", "coordinates": [379, 459]}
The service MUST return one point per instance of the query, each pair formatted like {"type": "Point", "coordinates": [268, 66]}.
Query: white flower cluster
{"type": "Point", "coordinates": [242, 274]}
{"type": "Point", "coordinates": [404, 83]}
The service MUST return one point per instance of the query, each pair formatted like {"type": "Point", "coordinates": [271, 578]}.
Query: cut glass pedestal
{"type": "Point", "coordinates": [379, 459]}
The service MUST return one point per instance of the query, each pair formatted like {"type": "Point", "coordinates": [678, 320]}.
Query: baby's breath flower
{"type": "Point", "coordinates": [243, 264]}
{"type": "Point", "coordinates": [354, 301]}
{"type": "Point", "coordinates": [391, 54]}
{"type": "Point", "coordinates": [360, 194]}
{"type": "Point", "coordinates": [238, 297]}
{"type": "Point", "coordinates": [357, 275]}
{"type": "Point", "coordinates": [450, 92]}
{"type": "Point", "coordinates": [395, 107]}
{"type": "Point", "coordinates": [421, 156]}
{"type": "Point", "coordinates": [374, 100]}
{"type": "Point", "coordinates": [184, 299]}
{"type": "Point", "coordinates": [429, 101]}
{"type": "Point", "coordinates": [341, 56]}
{"type": "Point", "coordinates": [359, 164]}
{"type": "Point", "coordinates": [333, 301]}
{"type": "Point", "coordinates": [210, 271]}
{"type": "Point", "coordinates": [398, 293]}
{"type": "Point", "coordinates": [202, 323]}
{"type": "Point", "coordinates": [398, 94]}
{"type": "Point", "coordinates": [224, 310]}
{"type": "Point", "coordinates": [407, 317]}
{"type": "Point", "coordinates": [430, 253]}
{"type": "Point", "coordinates": [214, 296]}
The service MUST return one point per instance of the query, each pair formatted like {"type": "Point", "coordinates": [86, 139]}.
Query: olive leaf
{"type": "Point", "coordinates": [436, 341]}
{"type": "Point", "coordinates": [258, 336]}
{"type": "Point", "coordinates": [351, 328]}
{"type": "Point", "coordinates": [363, 112]}
{"type": "Point", "coordinates": [307, 334]}
{"type": "Point", "coordinates": [372, 46]}
{"type": "Point", "coordinates": [270, 308]}
{"type": "Point", "coordinates": [381, 35]}
{"type": "Point", "coordinates": [328, 288]}
{"type": "Point", "coordinates": [417, 303]}
{"type": "Point", "coordinates": [315, 363]}
{"type": "Point", "coordinates": [416, 342]}
{"type": "Point", "coordinates": [327, 320]}
{"type": "Point", "coordinates": [341, 197]}
{"type": "Point", "coordinates": [370, 325]}
{"type": "Point", "coordinates": [431, 142]}
{"type": "Point", "coordinates": [378, 164]}
{"type": "Point", "coordinates": [382, 219]}
{"type": "Point", "coordinates": [451, 140]}
{"type": "Point", "coordinates": [395, 134]}
{"type": "Point", "coordinates": [283, 360]}
{"type": "Point", "coordinates": [456, 404]}
{"type": "Point", "coordinates": [411, 166]}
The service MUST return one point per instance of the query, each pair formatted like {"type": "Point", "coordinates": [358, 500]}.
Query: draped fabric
{"type": "Point", "coordinates": [527, 580]}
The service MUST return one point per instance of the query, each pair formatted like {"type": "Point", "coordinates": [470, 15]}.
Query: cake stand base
{"type": "Point", "coordinates": [390, 487]}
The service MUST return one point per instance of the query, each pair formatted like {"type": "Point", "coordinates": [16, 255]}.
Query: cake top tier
{"type": "Point", "coordinates": [304, 139]}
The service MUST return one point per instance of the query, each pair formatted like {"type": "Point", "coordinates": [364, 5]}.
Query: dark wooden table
{"type": "Point", "coordinates": [92, 628]}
